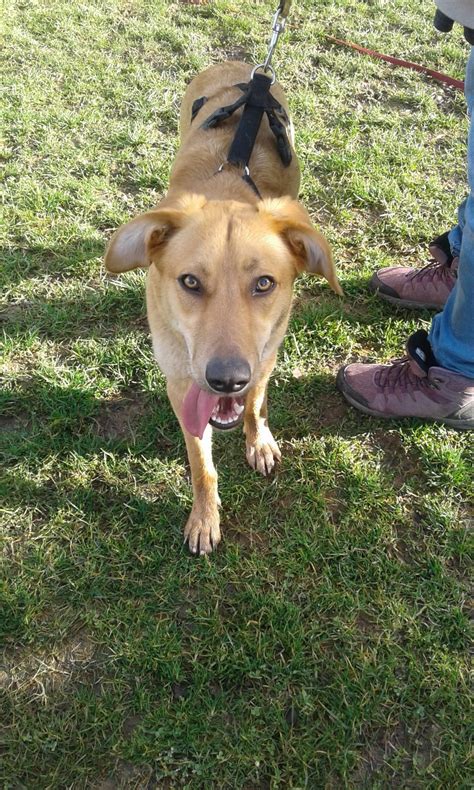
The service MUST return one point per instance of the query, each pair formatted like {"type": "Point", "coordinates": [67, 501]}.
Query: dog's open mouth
{"type": "Point", "coordinates": [201, 407]}
{"type": "Point", "coordinates": [227, 413]}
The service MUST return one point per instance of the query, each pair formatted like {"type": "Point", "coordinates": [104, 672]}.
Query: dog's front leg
{"type": "Point", "coordinates": [202, 531]}
{"type": "Point", "coordinates": [261, 448]}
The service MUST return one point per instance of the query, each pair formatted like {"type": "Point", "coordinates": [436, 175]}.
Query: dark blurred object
{"type": "Point", "coordinates": [444, 24]}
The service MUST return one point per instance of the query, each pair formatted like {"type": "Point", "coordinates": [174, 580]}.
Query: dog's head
{"type": "Point", "coordinates": [226, 272]}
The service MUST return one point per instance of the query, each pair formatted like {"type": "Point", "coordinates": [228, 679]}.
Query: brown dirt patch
{"type": "Point", "coordinates": [40, 675]}
{"type": "Point", "coordinates": [365, 624]}
{"type": "Point", "coordinates": [130, 724]}
{"type": "Point", "coordinates": [401, 462]}
{"type": "Point", "coordinates": [129, 776]}
{"type": "Point", "coordinates": [9, 424]}
{"type": "Point", "coordinates": [234, 53]}
{"type": "Point", "coordinates": [243, 537]}
{"type": "Point", "coordinates": [119, 419]}
{"type": "Point", "coordinates": [409, 748]}
{"type": "Point", "coordinates": [330, 409]}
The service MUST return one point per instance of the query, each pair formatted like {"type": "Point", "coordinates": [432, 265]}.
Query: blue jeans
{"type": "Point", "coordinates": [452, 331]}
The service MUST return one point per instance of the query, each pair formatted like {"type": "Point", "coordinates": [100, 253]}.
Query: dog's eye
{"type": "Point", "coordinates": [264, 285]}
{"type": "Point", "coordinates": [190, 282]}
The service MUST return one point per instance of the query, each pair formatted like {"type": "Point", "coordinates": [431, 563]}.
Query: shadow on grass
{"type": "Point", "coordinates": [41, 418]}
{"type": "Point", "coordinates": [39, 414]}
{"type": "Point", "coordinates": [92, 316]}
{"type": "Point", "coordinates": [78, 309]}
{"type": "Point", "coordinates": [43, 424]}
{"type": "Point", "coordinates": [56, 262]}
{"type": "Point", "coordinates": [109, 308]}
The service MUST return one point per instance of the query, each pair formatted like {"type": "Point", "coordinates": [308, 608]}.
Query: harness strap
{"type": "Point", "coordinates": [246, 177]}
{"type": "Point", "coordinates": [197, 104]}
{"type": "Point", "coordinates": [223, 113]}
{"type": "Point", "coordinates": [281, 137]}
{"type": "Point", "coordinates": [249, 180]}
{"type": "Point", "coordinates": [256, 101]}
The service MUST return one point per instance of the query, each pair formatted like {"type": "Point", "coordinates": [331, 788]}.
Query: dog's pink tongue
{"type": "Point", "coordinates": [197, 409]}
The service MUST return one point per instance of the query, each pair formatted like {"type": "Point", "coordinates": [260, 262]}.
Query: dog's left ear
{"type": "Point", "coordinates": [311, 251]}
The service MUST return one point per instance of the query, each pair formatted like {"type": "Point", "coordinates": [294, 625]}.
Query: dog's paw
{"type": "Point", "coordinates": [202, 532]}
{"type": "Point", "coordinates": [263, 453]}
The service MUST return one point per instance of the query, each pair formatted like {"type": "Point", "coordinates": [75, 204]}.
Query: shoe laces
{"type": "Point", "coordinates": [434, 270]}
{"type": "Point", "coordinates": [399, 375]}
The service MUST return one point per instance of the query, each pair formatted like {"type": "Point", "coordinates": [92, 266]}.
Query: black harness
{"type": "Point", "coordinates": [256, 101]}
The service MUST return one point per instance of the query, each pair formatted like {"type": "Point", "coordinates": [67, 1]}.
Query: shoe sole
{"type": "Point", "coordinates": [406, 303]}
{"type": "Point", "coordinates": [461, 425]}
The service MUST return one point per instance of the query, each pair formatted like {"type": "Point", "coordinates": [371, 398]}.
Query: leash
{"type": "Point", "coordinates": [437, 75]}
{"type": "Point", "coordinates": [278, 27]}
{"type": "Point", "coordinates": [257, 101]}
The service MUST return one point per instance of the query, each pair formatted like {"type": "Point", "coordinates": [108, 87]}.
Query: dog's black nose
{"type": "Point", "coordinates": [227, 375]}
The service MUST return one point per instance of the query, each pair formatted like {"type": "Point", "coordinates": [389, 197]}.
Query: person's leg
{"type": "Point", "coordinates": [436, 380]}
{"type": "Point", "coordinates": [448, 246]}
{"type": "Point", "coordinates": [431, 286]}
{"type": "Point", "coordinates": [455, 234]}
{"type": "Point", "coordinates": [452, 331]}
{"type": "Point", "coordinates": [414, 386]}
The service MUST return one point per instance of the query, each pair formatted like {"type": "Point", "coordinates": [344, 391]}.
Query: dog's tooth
{"type": "Point", "coordinates": [225, 420]}
{"type": "Point", "coordinates": [238, 408]}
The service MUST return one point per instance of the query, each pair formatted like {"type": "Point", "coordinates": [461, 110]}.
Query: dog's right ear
{"type": "Point", "coordinates": [140, 242]}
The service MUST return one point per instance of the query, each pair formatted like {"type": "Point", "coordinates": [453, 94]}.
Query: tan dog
{"type": "Point", "coordinates": [221, 263]}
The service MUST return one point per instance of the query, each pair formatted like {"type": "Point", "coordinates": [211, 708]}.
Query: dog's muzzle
{"type": "Point", "coordinates": [201, 407]}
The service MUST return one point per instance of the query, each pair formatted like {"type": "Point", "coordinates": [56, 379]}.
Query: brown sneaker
{"type": "Point", "coordinates": [426, 288]}
{"type": "Point", "coordinates": [414, 386]}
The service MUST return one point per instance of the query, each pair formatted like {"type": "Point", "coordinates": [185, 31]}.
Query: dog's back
{"type": "Point", "coordinates": [206, 149]}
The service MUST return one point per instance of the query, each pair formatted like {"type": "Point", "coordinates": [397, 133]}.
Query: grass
{"type": "Point", "coordinates": [325, 644]}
